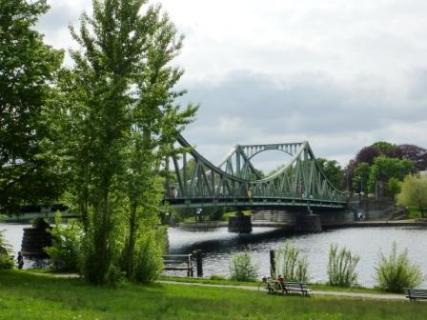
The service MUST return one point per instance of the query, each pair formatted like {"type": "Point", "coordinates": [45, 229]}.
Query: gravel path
{"type": "Point", "coordinates": [353, 295]}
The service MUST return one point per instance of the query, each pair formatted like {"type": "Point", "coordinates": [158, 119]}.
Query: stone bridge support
{"type": "Point", "coordinates": [302, 221]}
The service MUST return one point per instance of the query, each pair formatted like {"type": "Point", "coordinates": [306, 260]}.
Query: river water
{"type": "Point", "coordinates": [218, 246]}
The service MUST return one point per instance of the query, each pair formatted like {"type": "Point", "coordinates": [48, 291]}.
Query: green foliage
{"type": "Point", "coordinates": [396, 272]}
{"type": "Point", "coordinates": [242, 268]}
{"type": "Point", "coordinates": [5, 261]}
{"type": "Point", "coordinates": [65, 252]}
{"type": "Point", "coordinates": [332, 171]}
{"type": "Point", "coordinates": [217, 277]}
{"type": "Point", "coordinates": [28, 72]}
{"type": "Point", "coordinates": [383, 169]}
{"type": "Point", "coordinates": [292, 265]}
{"type": "Point", "coordinates": [113, 125]}
{"type": "Point", "coordinates": [387, 149]}
{"type": "Point", "coordinates": [414, 193]}
{"type": "Point", "coordinates": [393, 186]}
{"type": "Point", "coordinates": [150, 250]}
{"type": "Point", "coordinates": [342, 267]}
{"type": "Point", "coordinates": [384, 173]}
{"type": "Point", "coordinates": [360, 177]}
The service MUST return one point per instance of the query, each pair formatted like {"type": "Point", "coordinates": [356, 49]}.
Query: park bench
{"type": "Point", "coordinates": [296, 287]}
{"type": "Point", "coordinates": [414, 294]}
{"type": "Point", "coordinates": [277, 287]}
{"type": "Point", "coordinates": [178, 262]}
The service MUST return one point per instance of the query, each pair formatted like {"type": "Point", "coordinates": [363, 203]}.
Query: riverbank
{"type": "Point", "coordinates": [206, 225]}
{"type": "Point", "coordinates": [27, 296]}
{"type": "Point", "coordinates": [380, 223]}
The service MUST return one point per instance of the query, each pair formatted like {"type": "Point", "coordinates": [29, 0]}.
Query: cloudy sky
{"type": "Point", "coordinates": [338, 73]}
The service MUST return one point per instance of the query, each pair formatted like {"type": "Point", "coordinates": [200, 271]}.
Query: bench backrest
{"type": "Point", "coordinates": [295, 285]}
{"type": "Point", "coordinates": [417, 292]}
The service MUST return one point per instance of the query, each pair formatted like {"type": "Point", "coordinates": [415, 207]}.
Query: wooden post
{"type": "Point", "coordinates": [189, 266]}
{"type": "Point", "coordinates": [272, 264]}
{"type": "Point", "coordinates": [199, 262]}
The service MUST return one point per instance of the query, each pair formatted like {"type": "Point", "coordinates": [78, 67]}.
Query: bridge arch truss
{"type": "Point", "coordinates": [195, 182]}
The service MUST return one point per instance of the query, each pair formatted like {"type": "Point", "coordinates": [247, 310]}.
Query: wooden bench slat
{"type": "Point", "coordinates": [414, 294]}
{"type": "Point", "coordinates": [275, 286]}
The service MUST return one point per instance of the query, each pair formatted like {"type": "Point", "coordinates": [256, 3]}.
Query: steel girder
{"type": "Point", "coordinates": [301, 181]}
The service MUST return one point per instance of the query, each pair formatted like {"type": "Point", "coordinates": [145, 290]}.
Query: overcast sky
{"type": "Point", "coordinates": [341, 74]}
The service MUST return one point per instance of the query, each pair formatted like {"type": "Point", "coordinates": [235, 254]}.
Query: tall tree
{"type": "Point", "coordinates": [156, 122]}
{"type": "Point", "coordinates": [116, 120]}
{"type": "Point", "coordinates": [414, 193]}
{"type": "Point", "coordinates": [28, 71]}
{"type": "Point", "coordinates": [383, 169]}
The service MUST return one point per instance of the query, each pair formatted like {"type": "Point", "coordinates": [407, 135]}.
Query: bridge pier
{"type": "Point", "coordinates": [240, 224]}
{"type": "Point", "coordinates": [308, 223]}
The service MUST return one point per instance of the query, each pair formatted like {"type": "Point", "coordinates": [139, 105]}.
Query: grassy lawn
{"type": "Point", "coordinates": [26, 296]}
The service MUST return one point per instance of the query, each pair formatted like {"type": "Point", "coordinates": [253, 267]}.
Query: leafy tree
{"type": "Point", "coordinates": [116, 120]}
{"type": "Point", "coordinates": [393, 186]}
{"type": "Point", "coordinates": [387, 149]}
{"type": "Point", "coordinates": [414, 193]}
{"type": "Point", "coordinates": [384, 168]}
{"type": "Point", "coordinates": [360, 177]}
{"type": "Point", "coordinates": [28, 71]}
{"type": "Point", "coordinates": [332, 170]}
{"type": "Point", "coordinates": [367, 154]}
{"type": "Point", "coordinates": [414, 153]}
{"type": "Point", "coordinates": [156, 122]}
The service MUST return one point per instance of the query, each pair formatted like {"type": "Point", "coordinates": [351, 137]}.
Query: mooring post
{"type": "Point", "coordinates": [199, 262]}
{"type": "Point", "coordinates": [272, 264]}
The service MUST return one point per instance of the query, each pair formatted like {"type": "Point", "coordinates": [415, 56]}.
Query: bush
{"type": "Point", "coordinates": [242, 268]}
{"type": "Point", "coordinates": [150, 250]}
{"type": "Point", "coordinates": [293, 267]}
{"type": "Point", "coordinates": [396, 272]}
{"type": "Point", "coordinates": [5, 261]}
{"type": "Point", "coordinates": [217, 277]}
{"type": "Point", "coordinates": [65, 251]}
{"type": "Point", "coordinates": [342, 267]}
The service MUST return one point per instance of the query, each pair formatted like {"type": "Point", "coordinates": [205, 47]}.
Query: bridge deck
{"type": "Point", "coordinates": [271, 202]}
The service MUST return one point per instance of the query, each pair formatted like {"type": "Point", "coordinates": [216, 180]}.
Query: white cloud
{"type": "Point", "coordinates": [341, 74]}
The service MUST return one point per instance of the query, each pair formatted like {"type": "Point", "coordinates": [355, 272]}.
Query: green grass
{"type": "Point", "coordinates": [26, 296]}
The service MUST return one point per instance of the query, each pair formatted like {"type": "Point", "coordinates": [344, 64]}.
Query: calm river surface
{"type": "Point", "coordinates": [219, 245]}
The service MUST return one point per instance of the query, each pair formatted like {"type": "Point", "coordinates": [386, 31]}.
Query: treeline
{"type": "Point", "coordinates": [93, 135]}
{"type": "Point", "coordinates": [384, 170]}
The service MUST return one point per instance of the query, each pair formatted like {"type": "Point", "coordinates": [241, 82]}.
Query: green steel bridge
{"type": "Point", "coordinates": [194, 182]}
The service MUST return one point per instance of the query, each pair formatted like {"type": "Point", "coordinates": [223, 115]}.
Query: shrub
{"type": "Point", "coordinates": [242, 268]}
{"type": "Point", "coordinates": [5, 261]}
{"type": "Point", "coordinates": [291, 264]}
{"type": "Point", "coordinates": [65, 251]}
{"type": "Point", "coordinates": [342, 267]}
{"type": "Point", "coordinates": [150, 251]}
{"type": "Point", "coordinates": [217, 277]}
{"type": "Point", "coordinates": [396, 272]}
